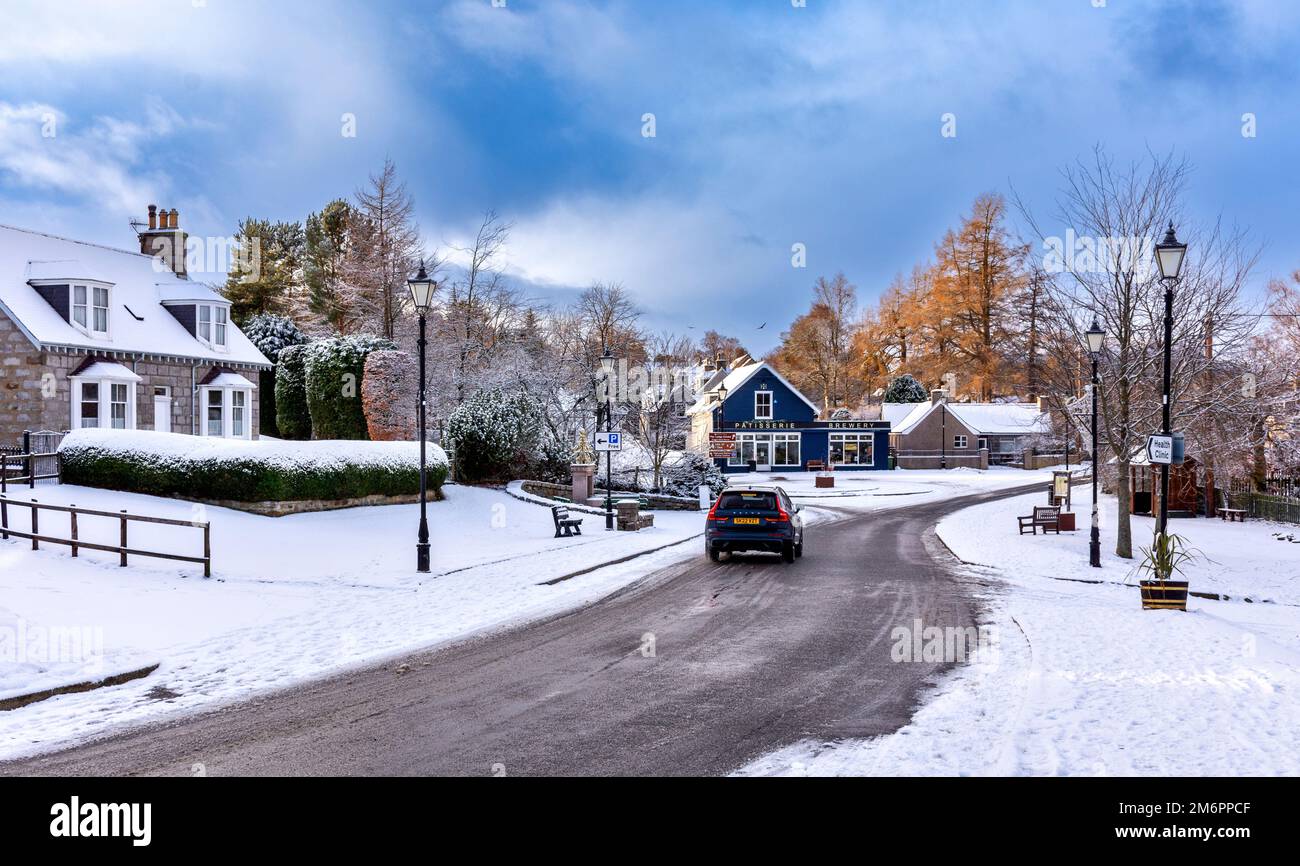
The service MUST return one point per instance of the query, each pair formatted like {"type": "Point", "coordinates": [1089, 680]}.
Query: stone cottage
{"type": "Point", "coordinates": [92, 336]}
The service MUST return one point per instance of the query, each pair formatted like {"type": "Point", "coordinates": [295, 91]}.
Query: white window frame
{"type": "Point", "coordinates": [984, 443]}
{"type": "Point", "coordinates": [227, 411]}
{"type": "Point", "coordinates": [958, 441]}
{"type": "Point", "coordinates": [771, 406]}
{"type": "Point", "coordinates": [104, 400]}
{"type": "Point", "coordinates": [746, 449]}
{"type": "Point", "coordinates": [218, 323]}
{"type": "Point", "coordinates": [90, 286]}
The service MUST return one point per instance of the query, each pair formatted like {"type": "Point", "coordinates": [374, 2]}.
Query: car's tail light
{"type": "Point", "coordinates": [782, 516]}
{"type": "Point", "coordinates": [713, 512]}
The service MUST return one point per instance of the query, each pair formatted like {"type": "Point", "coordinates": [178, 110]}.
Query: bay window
{"type": "Point", "coordinates": [103, 395]}
{"type": "Point", "coordinates": [226, 411]}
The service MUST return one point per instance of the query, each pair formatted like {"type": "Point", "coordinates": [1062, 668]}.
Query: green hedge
{"type": "Point", "coordinates": [170, 464]}
{"type": "Point", "coordinates": [334, 371]}
{"type": "Point", "coordinates": [291, 414]}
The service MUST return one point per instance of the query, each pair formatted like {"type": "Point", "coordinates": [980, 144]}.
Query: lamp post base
{"type": "Point", "coordinates": [609, 520]}
{"type": "Point", "coordinates": [1094, 546]}
{"type": "Point", "coordinates": [422, 558]}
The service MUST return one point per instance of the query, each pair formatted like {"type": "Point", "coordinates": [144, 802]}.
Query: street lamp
{"type": "Point", "coordinates": [1096, 339]}
{"type": "Point", "coordinates": [422, 289]}
{"type": "Point", "coordinates": [722, 410]}
{"type": "Point", "coordinates": [1169, 256]}
{"type": "Point", "coordinates": [607, 367]}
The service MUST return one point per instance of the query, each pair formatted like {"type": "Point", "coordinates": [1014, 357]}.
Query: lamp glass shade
{"type": "Point", "coordinates": [1096, 337]}
{"type": "Point", "coordinates": [1169, 255]}
{"type": "Point", "coordinates": [422, 289]}
{"type": "Point", "coordinates": [722, 394]}
{"type": "Point", "coordinates": [607, 363]}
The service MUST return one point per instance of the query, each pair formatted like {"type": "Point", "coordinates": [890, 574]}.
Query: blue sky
{"type": "Point", "coordinates": [775, 125]}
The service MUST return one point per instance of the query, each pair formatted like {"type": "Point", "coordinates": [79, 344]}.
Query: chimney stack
{"type": "Point", "coordinates": [937, 396]}
{"type": "Point", "coordinates": [164, 240]}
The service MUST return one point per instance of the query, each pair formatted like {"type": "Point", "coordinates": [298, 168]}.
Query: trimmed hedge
{"type": "Point", "coordinates": [335, 369]}
{"type": "Point", "coordinates": [271, 335]}
{"type": "Point", "coordinates": [189, 467]}
{"type": "Point", "coordinates": [291, 415]}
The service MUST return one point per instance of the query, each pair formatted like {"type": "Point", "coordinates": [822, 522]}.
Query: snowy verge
{"type": "Point", "coordinates": [293, 598]}
{"type": "Point", "coordinates": [1079, 680]}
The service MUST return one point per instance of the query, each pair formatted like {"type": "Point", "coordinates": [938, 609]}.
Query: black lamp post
{"type": "Point", "coordinates": [607, 367]}
{"type": "Point", "coordinates": [1169, 256]}
{"type": "Point", "coordinates": [722, 410]}
{"type": "Point", "coordinates": [1096, 338]}
{"type": "Point", "coordinates": [422, 289]}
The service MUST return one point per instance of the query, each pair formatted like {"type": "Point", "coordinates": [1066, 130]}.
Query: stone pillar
{"type": "Point", "coordinates": [628, 515]}
{"type": "Point", "coordinates": [984, 458]}
{"type": "Point", "coordinates": [584, 483]}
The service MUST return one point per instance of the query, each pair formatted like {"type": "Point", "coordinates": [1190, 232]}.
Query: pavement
{"type": "Point", "coordinates": [697, 669]}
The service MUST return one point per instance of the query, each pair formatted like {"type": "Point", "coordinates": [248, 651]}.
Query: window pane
{"type": "Point", "coordinates": [101, 319]}
{"type": "Point", "coordinates": [79, 295]}
{"type": "Point", "coordinates": [215, 425]}
{"type": "Point", "coordinates": [221, 335]}
{"type": "Point", "coordinates": [237, 413]}
{"type": "Point", "coordinates": [101, 297]}
{"type": "Point", "coordinates": [205, 314]}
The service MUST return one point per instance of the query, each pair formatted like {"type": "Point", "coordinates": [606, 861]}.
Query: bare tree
{"type": "Point", "coordinates": [383, 245]}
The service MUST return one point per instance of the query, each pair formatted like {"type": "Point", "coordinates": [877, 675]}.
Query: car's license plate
{"type": "Point", "coordinates": [746, 521]}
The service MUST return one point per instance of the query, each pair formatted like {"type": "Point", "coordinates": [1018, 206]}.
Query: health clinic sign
{"type": "Point", "coordinates": [1165, 450]}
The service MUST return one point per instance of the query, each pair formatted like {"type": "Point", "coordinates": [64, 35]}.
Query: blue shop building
{"type": "Point", "coordinates": [776, 427]}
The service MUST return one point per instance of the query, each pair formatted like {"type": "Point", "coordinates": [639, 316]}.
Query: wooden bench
{"type": "Point", "coordinates": [1047, 517]}
{"type": "Point", "coordinates": [564, 524]}
{"type": "Point", "coordinates": [1232, 515]}
{"type": "Point", "coordinates": [816, 465]}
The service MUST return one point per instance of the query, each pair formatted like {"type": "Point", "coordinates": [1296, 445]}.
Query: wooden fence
{"type": "Point", "coordinates": [122, 549]}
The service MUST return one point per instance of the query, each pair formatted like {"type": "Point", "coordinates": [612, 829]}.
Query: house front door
{"type": "Point", "coordinates": [763, 453]}
{"type": "Point", "coordinates": [162, 409]}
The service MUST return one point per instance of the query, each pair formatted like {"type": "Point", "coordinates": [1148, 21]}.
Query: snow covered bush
{"type": "Point", "coordinates": [192, 467]}
{"type": "Point", "coordinates": [905, 389]}
{"type": "Point", "coordinates": [271, 335]}
{"type": "Point", "coordinates": [495, 435]}
{"type": "Point", "coordinates": [334, 370]}
{"type": "Point", "coordinates": [684, 477]}
{"type": "Point", "coordinates": [842, 414]}
{"type": "Point", "coordinates": [390, 395]}
{"type": "Point", "coordinates": [552, 459]}
{"type": "Point", "coordinates": [291, 416]}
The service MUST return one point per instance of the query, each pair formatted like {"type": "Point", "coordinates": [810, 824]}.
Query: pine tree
{"type": "Point", "coordinates": [266, 272]}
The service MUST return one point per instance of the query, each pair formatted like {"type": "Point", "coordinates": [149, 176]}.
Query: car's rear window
{"type": "Point", "coordinates": [748, 501]}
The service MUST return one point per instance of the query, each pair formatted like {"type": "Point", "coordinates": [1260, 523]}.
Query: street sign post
{"type": "Point", "coordinates": [608, 441]}
{"type": "Point", "coordinates": [1160, 449]}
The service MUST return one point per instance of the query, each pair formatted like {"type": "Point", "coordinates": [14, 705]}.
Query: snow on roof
{"type": "Point", "coordinates": [227, 379]}
{"type": "Point", "coordinates": [1002, 419]}
{"type": "Point", "coordinates": [912, 418]}
{"type": "Point", "coordinates": [63, 269]}
{"type": "Point", "coordinates": [137, 320]}
{"type": "Point", "coordinates": [734, 379]}
{"type": "Point", "coordinates": [894, 413]}
{"type": "Point", "coordinates": [105, 370]}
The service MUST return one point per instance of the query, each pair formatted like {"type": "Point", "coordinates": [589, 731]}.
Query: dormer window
{"type": "Point", "coordinates": [213, 325]}
{"type": "Point", "coordinates": [90, 309]}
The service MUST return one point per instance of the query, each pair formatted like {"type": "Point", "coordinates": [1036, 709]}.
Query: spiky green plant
{"type": "Point", "coordinates": [1166, 557]}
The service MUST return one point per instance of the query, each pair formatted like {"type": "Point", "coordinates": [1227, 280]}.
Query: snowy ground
{"type": "Point", "coordinates": [291, 597]}
{"type": "Point", "coordinates": [307, 595]}
{"type": "Point", "coordinates": [1077, 680]}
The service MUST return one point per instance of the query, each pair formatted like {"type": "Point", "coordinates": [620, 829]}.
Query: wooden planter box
{"type": "Point", "coordinates": [824, 481]}
{"type": "Point", "coordinates": [1065, 521]}
{"type": "Point", "coordinates": [1169, 595]}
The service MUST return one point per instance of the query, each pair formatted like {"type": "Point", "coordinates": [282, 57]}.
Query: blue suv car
{"type": "Point", "coordinates": [754, 518]}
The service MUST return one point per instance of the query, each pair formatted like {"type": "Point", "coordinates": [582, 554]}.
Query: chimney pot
{"type": "Point", "coordinates": [153, 216]}
{"type": "Point", "coordinates": [174, 220]}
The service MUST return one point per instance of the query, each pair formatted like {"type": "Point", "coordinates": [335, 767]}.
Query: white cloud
{"type": "Point", "coordinates": [97, 165]}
